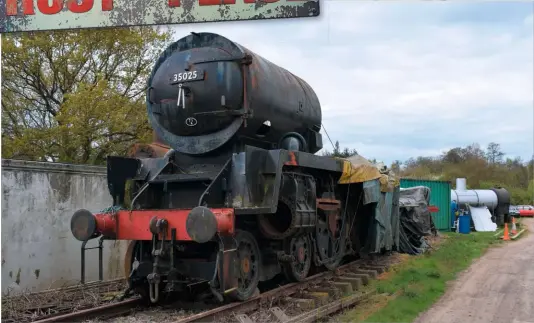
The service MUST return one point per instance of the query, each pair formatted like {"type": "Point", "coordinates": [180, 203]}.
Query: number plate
{"type": "Point", "coordinates": [188, 76]}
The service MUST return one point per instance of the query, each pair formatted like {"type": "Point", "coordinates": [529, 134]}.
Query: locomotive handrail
{"type": "Point", "coordinates": [100, 259]}
{"type": "Point", "coordinates": [208, 189]}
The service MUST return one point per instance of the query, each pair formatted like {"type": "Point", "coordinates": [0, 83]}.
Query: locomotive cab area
{"type": "Point", "coordinates": [240, 197]}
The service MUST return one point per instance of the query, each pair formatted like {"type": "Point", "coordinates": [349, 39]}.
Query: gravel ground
{"type": "Point", "coordinates": [155, 315]}
{"type": "Point", "coordinates": [498, 287]}
{"type": "Point", "coordinates": [28, 307]}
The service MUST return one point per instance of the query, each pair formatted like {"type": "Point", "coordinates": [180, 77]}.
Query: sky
{"type": "Point", "coordinates": [406, 79]}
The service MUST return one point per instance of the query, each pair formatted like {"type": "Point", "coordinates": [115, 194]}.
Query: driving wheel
{"type": "Point", "coordinates": [248, 263]}
{"type": "Point", "coordinates": [330, 247]}
{"type": "Point", "coordinates": [300, 248]}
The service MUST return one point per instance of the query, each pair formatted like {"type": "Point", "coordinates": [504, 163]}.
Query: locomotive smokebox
{"type": "Point", "coordinates": [206, 90]}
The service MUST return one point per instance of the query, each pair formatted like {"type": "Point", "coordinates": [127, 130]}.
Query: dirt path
{"type": "Point", "coordinates": [497, 288]}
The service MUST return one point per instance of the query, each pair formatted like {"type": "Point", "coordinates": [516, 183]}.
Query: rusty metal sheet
{"type": "Point", "coordinates": [33, 15]}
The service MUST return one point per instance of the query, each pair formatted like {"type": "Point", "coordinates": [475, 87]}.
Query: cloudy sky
{"type": "Point", "coordinates": [400, 80]}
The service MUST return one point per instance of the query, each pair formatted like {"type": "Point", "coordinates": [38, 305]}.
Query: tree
{"type": "Point", "coordinates": [76, 95]}
{"type": "Point", "coordinates": [454, 156]}
{"type": "Point", "coordinates": [473, 151]}
{"type": "Point", "coordinates": [396, 166]}
{"type": "Point", "coordinates": [345, 153]}
{"type": "Point", "coordinates": [494, 153]}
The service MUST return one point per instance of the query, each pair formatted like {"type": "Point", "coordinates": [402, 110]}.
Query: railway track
{"type": "Point", "coordinates": [29, 307]}
{"type": "Point", "coordinates": [318, 296]}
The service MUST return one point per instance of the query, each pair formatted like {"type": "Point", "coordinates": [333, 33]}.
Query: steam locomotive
{"type": "Point", "coordinates": [239, 195]}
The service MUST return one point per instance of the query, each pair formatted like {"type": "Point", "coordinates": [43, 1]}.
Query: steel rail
{"type": "Point", "coordinates": [254, 303]}
{"type": "Point", "coordinates": [113, 309]}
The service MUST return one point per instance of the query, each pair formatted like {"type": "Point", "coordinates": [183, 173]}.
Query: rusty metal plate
{"type": "Point", "coordinates": [33, 15]}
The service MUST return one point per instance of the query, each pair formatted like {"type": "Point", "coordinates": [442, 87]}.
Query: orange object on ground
{"type": "Point", "coordinates": [506, 236]}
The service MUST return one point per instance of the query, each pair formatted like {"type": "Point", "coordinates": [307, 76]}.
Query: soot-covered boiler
{"type": "Point", "coordinates": [207, 92]}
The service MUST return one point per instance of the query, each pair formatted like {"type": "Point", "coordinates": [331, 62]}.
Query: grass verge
{"type": "Point", "coordinates": [520, 227]}
{"type": "Point", "coordinates": [412, 286]}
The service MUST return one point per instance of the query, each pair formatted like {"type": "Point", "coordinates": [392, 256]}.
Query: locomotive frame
{"type": "Point", "coordinates": [223, 207]}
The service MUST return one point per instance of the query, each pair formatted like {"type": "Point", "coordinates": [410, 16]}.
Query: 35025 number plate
{"type": "Point", "coordinates": [188, 76]}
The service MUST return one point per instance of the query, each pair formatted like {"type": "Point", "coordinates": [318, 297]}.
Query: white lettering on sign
{"type": "Point", "coordinates": [185, 76]}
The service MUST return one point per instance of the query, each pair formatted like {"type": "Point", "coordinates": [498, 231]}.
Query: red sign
{"type": "Point", "coordinates": [433, 209]}
{"type": "Point", "coordinates": [47, 8]}
{"type": "Point", "coordinates": [29, 15]}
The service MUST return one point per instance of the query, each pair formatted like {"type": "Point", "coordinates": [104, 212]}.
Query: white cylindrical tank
{"type": "Point", "coordinates": [462, 196]}
{"type": "Point", "coordinates": [475, 198]}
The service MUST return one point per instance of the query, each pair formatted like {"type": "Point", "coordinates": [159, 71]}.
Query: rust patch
{"type": "Point", "coordinates": [245, 265]}
{"type": "Point", "coordinates": [332, 208]}
{"type": "Point", "coordinates": [333, 217]}
{"type": "Point", "coordinates": [254, 81]}
{"type": "Point", "coordinates": [292, 159]}
{"type": "Point", "coordinates": [153, 150]}
{"type": "Point", "coordinates": [301, 254]}
{"type": "Point", "coordinates": [128, 258]}
{"type": "Point", "coordinates": [328, 204]}
{"type": "Point", "coordinates": [253, 71]}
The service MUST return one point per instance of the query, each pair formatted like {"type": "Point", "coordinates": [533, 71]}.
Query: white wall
{"type": "Point", "coordinates": [38, 249]}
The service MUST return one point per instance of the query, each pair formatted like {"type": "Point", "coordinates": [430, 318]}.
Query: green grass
{"type": "Point", "coordinates": [414, 285]}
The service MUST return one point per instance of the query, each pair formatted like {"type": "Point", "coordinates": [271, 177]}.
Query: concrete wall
{"type": "Point", "coordinates": [38, 249]}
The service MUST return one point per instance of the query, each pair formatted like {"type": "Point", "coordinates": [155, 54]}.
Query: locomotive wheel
{"type": "Point", "coordinates": [248, 266]}
{"type": "Point", "coordinates": [330, 249]}
{"type": "Point", "coordinates": [334, 262]}
{"type": "Point", "coordinates": [299, 247]}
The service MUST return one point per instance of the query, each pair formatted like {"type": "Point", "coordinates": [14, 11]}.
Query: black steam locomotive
{"type": "Point", "coordinates": [240, 196]}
